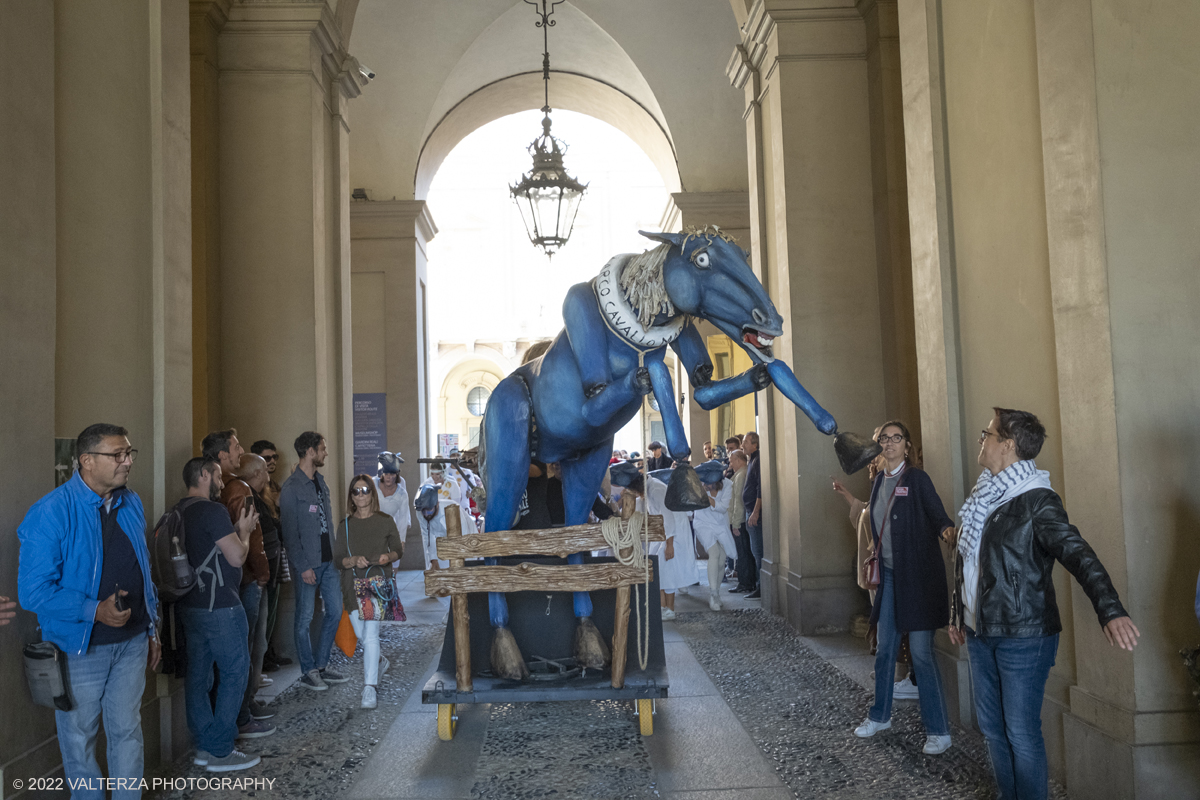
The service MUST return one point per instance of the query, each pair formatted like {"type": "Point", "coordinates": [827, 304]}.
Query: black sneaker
{"type": "Point", "coordinates": [329, 676]}
{"type": "Point", "coordinates": [259, 711]}
{"type": "Point", "coordinates": [738, 590]}
{"type": "Point", "coordinates": [757, 593]}
{"type": "Point", "coordinates": [282, 661]}
{"type": "Point", "coordinates": [270, 666]}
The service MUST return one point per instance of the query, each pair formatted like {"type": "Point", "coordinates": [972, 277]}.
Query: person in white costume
{"type": "Point", "coordinates": [431, 518]}
{"type": "Point", "coordinates": [712, 526]}
{"type": "Point", "coordinates": [676, 556]}
{"type": "Point", "coordinates": [451, 486]}
{"type": "Point", "coordinates": [393, 494]}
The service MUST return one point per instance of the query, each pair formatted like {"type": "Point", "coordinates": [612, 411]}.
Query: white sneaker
{"type": "Point", "coordinates": [667, 614]}
{"type": "Point", "coordinates": [935, 745]}
{"type": "Point", "coordinates": [870, 727]}
{"type": "Point", "coordinates": [905, 690]}
{"type": "Point", "coordinates": [682, 590]}
{"type": "Point", "coordinates": [368, 697]}
{"type": "Point", "coordinates": [714, 603]}
{"type": "Point", "coordinates": [234, 761]}
{"type": "Point", "coordinates": [384, 665]}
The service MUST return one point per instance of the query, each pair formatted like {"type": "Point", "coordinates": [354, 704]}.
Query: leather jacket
{"type": "Point", "coordinates": [1021, 541]}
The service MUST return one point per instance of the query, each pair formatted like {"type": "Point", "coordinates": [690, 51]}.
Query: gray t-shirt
{"type": "Point", "coordinates": [882, 523]}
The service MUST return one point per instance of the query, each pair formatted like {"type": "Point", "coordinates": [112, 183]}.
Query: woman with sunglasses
{"type": "Point", "coordinates": [368, 539]}
{"type": "Point", "coordinates": [907, 519]}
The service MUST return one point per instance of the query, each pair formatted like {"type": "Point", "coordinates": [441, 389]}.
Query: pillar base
{"type": "Point", "coordinates": [822, 604]}
{"type": "Point", "coordinates": [1099, 765]}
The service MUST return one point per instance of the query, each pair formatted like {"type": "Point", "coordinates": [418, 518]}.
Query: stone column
{"type": "Point", "coordinates": [123, 349]}
{"type": "Point", "coordinates": [730, 211]}
{"type": "Point", "coordinates": [814, 236]}
{"type": "Point", "coordinates": [1112, 162]}
{"type": "Point", "coordinates": [284, 224]}
{"type": "Point", "coordinates": [390, 336]}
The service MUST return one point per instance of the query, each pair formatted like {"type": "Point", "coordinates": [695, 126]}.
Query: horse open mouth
{"type": "Point", "coordinates": [759, 341]}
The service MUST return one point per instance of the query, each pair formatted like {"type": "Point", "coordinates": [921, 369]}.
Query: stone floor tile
{"type": "Point", "coordinates": [411, 761]}
{"type": "Point", "coordinates": [777, 793]}
{"type": "Point", "coordinates": [688, 678]}
{"type": "Point", "coordinates": [699, 744]}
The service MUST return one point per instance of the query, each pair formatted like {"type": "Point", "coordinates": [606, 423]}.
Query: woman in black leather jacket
{"type": "Point", "coordinates": [1014, 527]}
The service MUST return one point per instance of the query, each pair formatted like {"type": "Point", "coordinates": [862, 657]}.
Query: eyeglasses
{"type": "Point", "coordinates": [983, 434]}
{"type": "Point", "coordinates": [895, 438]}
{"type": "Point", "coordinates": [119, 456]}
{"type": "Point", "coordinates": [361, 490]}
{"type": "Point", "coordinates": [271, 458]}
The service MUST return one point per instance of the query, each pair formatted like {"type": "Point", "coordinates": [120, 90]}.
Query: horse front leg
{"type": "Point", "coordinates": [664, 393]}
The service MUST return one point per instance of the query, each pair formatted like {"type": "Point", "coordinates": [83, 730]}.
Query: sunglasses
{"type": "Point", "coordinates": [360, 490]}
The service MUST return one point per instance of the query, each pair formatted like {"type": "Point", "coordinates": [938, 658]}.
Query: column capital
{"type": "Point", "coordinates": [798, 30]}
{"type": "Point", "coordinates": [392, 219]}
{"type": "Point", "coordinates": [318, 44]}
{"type": "Point", "coordinates": [728, 210]}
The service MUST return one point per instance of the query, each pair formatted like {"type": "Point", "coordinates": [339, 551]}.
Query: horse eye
{"type": "Point", "coordinates": [701, 260]}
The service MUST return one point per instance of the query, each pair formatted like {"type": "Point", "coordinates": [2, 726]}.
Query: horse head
{"type": "Point", "coordinates": [706, 275]}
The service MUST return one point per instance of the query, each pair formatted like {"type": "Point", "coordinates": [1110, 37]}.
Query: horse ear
{"type": "Point", "coordinates": [666, 238]}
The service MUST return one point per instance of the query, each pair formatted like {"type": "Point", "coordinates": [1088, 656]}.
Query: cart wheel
{"type": "Point", "coordinates": [645, 714]}
{"type": "Point", "coordinates": [447, 721]}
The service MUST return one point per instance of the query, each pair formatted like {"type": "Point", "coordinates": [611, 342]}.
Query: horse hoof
{"type": "Point", "coordinates": [590, 650]}
{"type": "Point", "coordinates": [507, 661]}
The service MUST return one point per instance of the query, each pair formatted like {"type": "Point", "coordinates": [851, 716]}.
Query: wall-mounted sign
{"type": "Point", "coordinates": [370, 431]}
{"type": "Point", "coordinates": [446, 443]}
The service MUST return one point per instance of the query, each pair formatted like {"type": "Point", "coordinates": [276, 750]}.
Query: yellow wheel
{"type": "Point", "coordinates": [645, 714]}
{"type": "Point", "coordinates": [447, 721]}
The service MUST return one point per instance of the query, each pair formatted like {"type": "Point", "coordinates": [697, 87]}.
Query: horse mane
{"type": "Point", "coordinates": [643, 286]}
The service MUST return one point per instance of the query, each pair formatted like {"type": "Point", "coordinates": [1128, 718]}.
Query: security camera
{"type": "Point", "coordinates": [366, 72]}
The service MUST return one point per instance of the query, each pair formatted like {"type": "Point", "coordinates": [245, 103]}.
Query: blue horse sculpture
{"type": "Point", "coordinates": [566, 406]}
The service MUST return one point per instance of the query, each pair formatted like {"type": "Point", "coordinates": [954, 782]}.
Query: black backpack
{"type": "Point", "coordinates": [174, 577]}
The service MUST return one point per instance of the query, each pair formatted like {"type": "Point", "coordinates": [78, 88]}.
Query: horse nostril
{"type": "Point", "coordinates": [759, 316]}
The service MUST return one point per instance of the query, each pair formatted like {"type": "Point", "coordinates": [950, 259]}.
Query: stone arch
{"type": "Point", "coordinates": [498, 75]}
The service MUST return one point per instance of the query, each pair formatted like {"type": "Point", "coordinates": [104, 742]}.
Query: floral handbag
{"type": "Point", "coordinates": [376, 594]}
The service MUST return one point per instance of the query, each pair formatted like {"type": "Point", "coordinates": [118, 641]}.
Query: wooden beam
{"type": "Point", "coordinates": [528, 577]}
{"type": "Point", "coordinates": [620, 642]}
{"type": "Point", "coordinates": [460, 612]}
{"type": "Point", "coordinates": [549, 542]}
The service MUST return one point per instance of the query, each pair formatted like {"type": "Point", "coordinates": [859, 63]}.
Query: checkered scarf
{"type": "Point", "coordinates": [990, 490]}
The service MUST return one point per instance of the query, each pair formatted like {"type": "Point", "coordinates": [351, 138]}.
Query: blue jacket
{"type": "Point", "coordinates": [62, 560]}
{"type": "Point", "coordinates": [300, 521]}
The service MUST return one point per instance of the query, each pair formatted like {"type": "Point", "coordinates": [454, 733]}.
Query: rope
{"type": "Point", "coordinates": [621, 535]}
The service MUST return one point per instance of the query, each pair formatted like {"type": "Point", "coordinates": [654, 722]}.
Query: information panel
{"type": "Point", "coordinates": [370, 431]}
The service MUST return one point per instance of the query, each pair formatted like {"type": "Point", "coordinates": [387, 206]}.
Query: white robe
{"type": "Point", "coordinates": [432, 530]}
{"type": "Point", "coordinates": [396, 506]}
{"type": "Point", "coordinates": [712, 523]}
{"type": "Point", "coordinates": [452, 489]}
{"type": "Point", "coordinates": [681, 569]}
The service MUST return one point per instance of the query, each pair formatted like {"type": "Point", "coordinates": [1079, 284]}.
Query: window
{"type": "Point", "coordinates": [477, 400]}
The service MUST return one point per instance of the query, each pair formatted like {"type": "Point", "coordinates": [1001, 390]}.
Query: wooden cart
{"type": "Point", "coordinates": [541, 618]}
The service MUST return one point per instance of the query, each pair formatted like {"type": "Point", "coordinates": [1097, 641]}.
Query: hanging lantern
{"type": "Point", "coordinates": [547, 197]}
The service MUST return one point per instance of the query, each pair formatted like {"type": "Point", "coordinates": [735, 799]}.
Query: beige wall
{"type": "Point", "coordinates": [27, 332]}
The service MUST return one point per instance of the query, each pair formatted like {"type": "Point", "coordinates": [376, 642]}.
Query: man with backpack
{"type": "Point", "coordinates": [214, 622]}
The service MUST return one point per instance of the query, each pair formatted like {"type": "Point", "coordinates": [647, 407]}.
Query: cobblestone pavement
{"type": "Point", "coordinates": [323, 738]}
{"type": "Point", "coordinates": [570, 750]}
{"type": "Point", "coordinates": [800, 710]}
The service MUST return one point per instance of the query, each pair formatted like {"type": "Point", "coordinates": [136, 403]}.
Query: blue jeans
{"type": "Point", "coordinates": [216, 637]}
{"type": "Point", "coordinates": [108, 679]}
{"type": "Point", "coordinates": [756, 545]}
{"type": "Point", "coordinates": [1008, 677]}
{"type": "Point", "coordinates": [329, 583]}
{"type": "Point", "coordinates": [251, 601]}
{"type": "Point", "coordinates": [920, 644]}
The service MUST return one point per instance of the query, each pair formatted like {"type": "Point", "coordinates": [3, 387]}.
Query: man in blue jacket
{"type": "Point", "coordinates": [83, 546]}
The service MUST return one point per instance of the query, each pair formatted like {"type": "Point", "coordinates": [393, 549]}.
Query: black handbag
{"type": "Point", "coordinates": [46, 671]}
